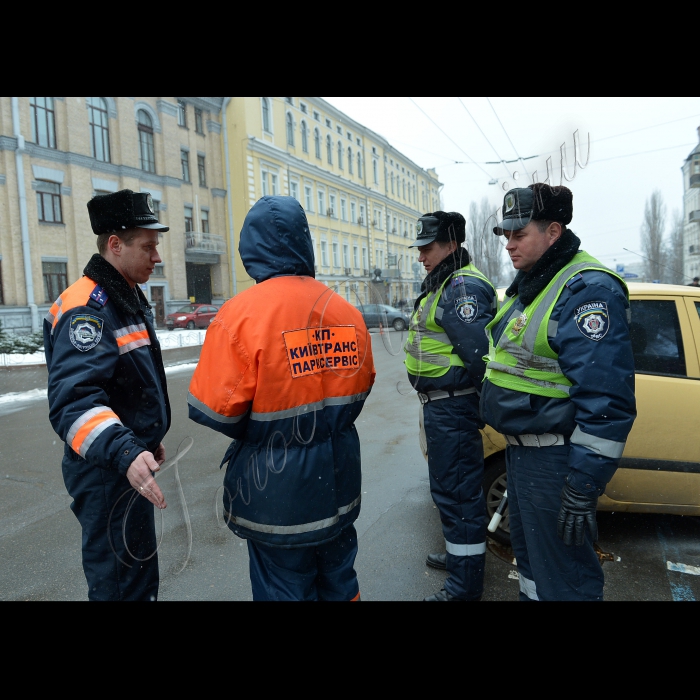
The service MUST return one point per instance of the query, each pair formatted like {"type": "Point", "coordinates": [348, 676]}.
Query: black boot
{"type": "Point", "coordinates": [443, 596]}
{"type": "Point", "coordinates": [437, 561]}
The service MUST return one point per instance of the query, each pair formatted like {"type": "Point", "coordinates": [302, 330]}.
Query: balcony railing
{"type": "Point", "coordinates": [198, 242]}
{"type": "Point", "coordinates": [694, 216]}
{"type": "Point", "coordinates": [695, 180]}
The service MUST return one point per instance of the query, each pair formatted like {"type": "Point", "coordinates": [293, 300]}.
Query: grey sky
{"type": "Point", "coordinates": [609, 194]}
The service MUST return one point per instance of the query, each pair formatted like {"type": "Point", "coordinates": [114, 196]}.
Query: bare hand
{"type": "Point", "coordinates": [140, 476]}
{"type": "Point", "coordinates": [159, 454]}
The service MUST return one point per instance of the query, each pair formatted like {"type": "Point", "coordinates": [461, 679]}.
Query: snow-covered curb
{"type": "Point", "coordinates": [169, 340]}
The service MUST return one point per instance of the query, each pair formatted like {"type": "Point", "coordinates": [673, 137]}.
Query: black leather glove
{"type": "Point", "coordinates": [577, 511]}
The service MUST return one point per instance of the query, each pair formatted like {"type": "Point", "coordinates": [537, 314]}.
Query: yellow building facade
{"type": "Point", "coordinates": [362, 197]}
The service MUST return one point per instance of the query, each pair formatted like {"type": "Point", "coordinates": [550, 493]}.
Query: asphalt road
{"type": "Point", "coordinates": [397, 527]}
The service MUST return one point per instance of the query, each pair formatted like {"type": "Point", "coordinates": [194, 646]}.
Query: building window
{"type": "Point", "coordinates": [322, 203]}
{"type": "Point", "coordinates": [43, 121]}
{"type": "Point", "coordinates": [343, 209]}
{"type": "Point", "coordinates": [205, 220]}
{"type": "Point", "coordinates": [185, 162]}
{"type": "Point", "coordinates": [339, 129]}
{"type": "Point", "coordinates": [289, 101]}
{"type": "Point", "coordinates": [355, 257]}
{"type": "Point", "coordinates": [317, 143]}
{"type": "Point", "coordinates": [266, 115]}
{"type": "Point", "coordinates": [99, 129]}
{"type": "Point", "coordinates": [324, 253]}
{"type": "Point", "coordinates": [346, 256]}
{"type": "Point", "coordinates": [290, 129]}
{"type": "Point", "coordinates": [340, 155]}
{"type": "Point", "coordinates": [264, 181]}
{"type": "Point", "coordinates": [304, 138]}
{"type": "Point", "coordinates": [393, 230]}
{"type": "Point", "coordinates": [404, 187]}
{"type": "Point", "coordinates": [336, 259]}
{"type": "Point", "coordinates": [353, 212]}
{"type": "Point", "coordinates": [365, 262]}
{"type": "Point", "coordinates": [55, 280]}
{"type": "Point", "coordinates": [374, 170]}
{"type": "Point", "coordinates": [331, 205]}
{"type": "Point", "coordinates": [147, 150]}
{"type": "Point", "coordinates": [307, 198]}
{"type": "Point", "coordinates": [302, 107]}
{"type": "Point", "coordinates": [350, 160]}
{"type": "Point", "coordinates": [329, 149]}
{"type": "Point", "coordinates": [2, 299]}
{"type": "Point", "coordinates": [189, 220]}
{"type": "Point", "coordinates": [48, 201]}
{"type": "Point", "coordinates": [201, 170]}
{"type": "Point", "coordinates": [181, 113]}
{"type": "Point", "coordinates": [328, 123]}
{"type": "Point", "coordinates": [359, 165]}
{"type": "Point", "coordinates": [273, 182]}
{"type": "Point", "coordinates": [362, 214]}
{"type": "Point", "coordinates": [198, 121]}
{"type": "Point", "coordinates": [317, 116]}
{"type": "Point", "coordinates": [294, 190]}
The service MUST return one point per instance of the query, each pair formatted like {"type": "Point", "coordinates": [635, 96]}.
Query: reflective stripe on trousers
{"type": "Point", "coordinates": [465, 550]}
{"type": "Point", "coordinates": [528, 588]}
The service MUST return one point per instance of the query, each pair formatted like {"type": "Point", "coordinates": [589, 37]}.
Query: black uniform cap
{"type": "Point", "coordinates": [441, 226]}
{"type": "Point", "coordinates": [119, 211]}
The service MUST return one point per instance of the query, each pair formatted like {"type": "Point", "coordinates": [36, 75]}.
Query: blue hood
{"type": "Point", "coordinates": [275, 240]}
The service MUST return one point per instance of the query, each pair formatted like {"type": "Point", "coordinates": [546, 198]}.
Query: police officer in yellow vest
{"type": "Point", "coordinates": [444, 350]}
{"type": "Point", "coordinates": [560, 386]}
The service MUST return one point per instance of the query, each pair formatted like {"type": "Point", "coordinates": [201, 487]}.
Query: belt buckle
{"type": "Point", "coordinates": [423, 398]}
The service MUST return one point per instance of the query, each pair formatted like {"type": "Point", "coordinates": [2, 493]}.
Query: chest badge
{"type": "Point", "coordinates": [519, 324]}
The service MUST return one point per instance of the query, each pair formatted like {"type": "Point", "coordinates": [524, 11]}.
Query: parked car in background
{"type": "Point", "coordinates": [659, 471]}
{"type": "Point", "coordinates": [191, 316]}
{"type": "Point", "coordinates": [376, 315]}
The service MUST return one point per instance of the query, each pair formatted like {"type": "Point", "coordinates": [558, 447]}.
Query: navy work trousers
{"type": "Point", "coordinates": [111, 555]}
{"type": "Point", "coordinates": [456, 469]}
{"type": "Point", "coordinates": [323, 572]}
{"type": "Point", "coordinates": [548, 569]}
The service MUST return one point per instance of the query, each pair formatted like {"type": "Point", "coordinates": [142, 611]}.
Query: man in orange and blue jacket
{"type": "Point", "coordinates": [108, 398]}
{"type": "Point", "coordinates": [285, 369]}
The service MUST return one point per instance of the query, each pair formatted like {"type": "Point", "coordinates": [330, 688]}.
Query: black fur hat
{"type": "Point", "coordinates": [536, 202]}
{"type": "Point", "coordinates": [119, 211]}
{"type": "Point", "coordinates": [441, 226]}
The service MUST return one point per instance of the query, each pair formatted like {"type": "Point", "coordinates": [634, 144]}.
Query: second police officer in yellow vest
{"type": "Point", "coordinates": [444, 358]}
{"type": "Point", "coordinates": [560, 386]}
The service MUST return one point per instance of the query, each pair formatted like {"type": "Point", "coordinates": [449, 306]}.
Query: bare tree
{"type": "Point", "coordinates": [652, 234]}
{"type": "Point", "coordinates": [485, 248]}
{"type": "Point", "coordinates": [674, 251]}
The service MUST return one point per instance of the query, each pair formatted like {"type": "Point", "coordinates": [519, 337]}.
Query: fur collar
{"type": "Point", "coordinates": [436, 277]}
{"type": "Point", "coordinates": [529, 284]}
{"type": "Point", "coordinates": [118, 290]}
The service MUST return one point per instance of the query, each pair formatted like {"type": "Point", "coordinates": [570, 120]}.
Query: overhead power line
{"type": "Point", "coordinates": [449, 137]}
{"type": "Point", "coordinates": [506, 133]}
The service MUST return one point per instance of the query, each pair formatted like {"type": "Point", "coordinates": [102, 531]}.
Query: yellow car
{"type": "Point", "coordinates": [659, 471]}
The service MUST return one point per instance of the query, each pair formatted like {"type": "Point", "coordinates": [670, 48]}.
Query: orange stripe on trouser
{"type": "Point", "coordinates": [356, 598]}
{"type": "Point", "coordinates": [137, 335]}
{"type": "Point", "coordinates": [90, 425]}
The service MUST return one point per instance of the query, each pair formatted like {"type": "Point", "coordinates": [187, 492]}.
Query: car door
{"type": "Point", "coordinates": [661, 461]}
{"type": "Point", "coordinates": [369, 311]}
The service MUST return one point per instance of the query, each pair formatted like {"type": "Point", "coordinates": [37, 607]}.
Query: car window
{"type": "Point", "coordinates": [655, 332]}
{"type": "Point", "coordinates": [211, 309]}
{"type": "Point", "coordinates": [697, 307]}
{"type": "Point", "coordinates": [368, 308]}
{"type": "Point", "coordinates": [189, 309]}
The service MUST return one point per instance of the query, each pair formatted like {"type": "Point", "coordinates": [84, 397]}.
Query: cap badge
{"type": "Point", "coordinates": [519, 324]}
{"type": "Point", "coordinates": [419, 228]}
{"type": "Point", "coordinates": [509, 202]}
{"type": "Point", "coordinates": [149, 202]}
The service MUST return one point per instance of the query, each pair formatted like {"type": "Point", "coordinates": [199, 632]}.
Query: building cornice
{"type": "Point", "coordinates": [209, 104]}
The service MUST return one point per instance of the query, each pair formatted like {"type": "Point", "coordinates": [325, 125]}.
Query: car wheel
{"type": "Point", "coordinates": [190, 325]}
{"type": "Point", "coordinates": [399, 324]}
{"type": "Point", "coordinates": [170, 328]}
{"type": "Point", "coordinates": [494, 485]}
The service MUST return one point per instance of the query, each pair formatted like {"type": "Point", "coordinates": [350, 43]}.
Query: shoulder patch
{"type": "Point", "coordinates": [99, 295]}
{"type": "Point", "coordinates": [456, 281]}
{"type": "Point", "coordinates": [593, 320]}
{"type": "Point", "coordinates": [467, 307]}
{"type": "Point", "coordinates": [85, 331]}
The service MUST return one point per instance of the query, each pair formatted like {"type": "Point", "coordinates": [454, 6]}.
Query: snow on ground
{"type": "Point", "coordinates": [178, 338]}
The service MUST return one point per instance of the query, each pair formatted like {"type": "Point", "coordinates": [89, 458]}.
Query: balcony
{"type": "Point", "coordinates": [695, 180]}
{"type": "Point", "coordinates": [198, 242]}
{"type": "Point", "coordinates": [694, 216]}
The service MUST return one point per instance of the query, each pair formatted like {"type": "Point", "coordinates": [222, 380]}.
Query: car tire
{"type": "Point", "coordinates": [399, 324]}
{"type": "Point", "coordinates": [170, 328]}
{"type": "Point", "coordinates": [494, 485]}
{"type": "Point", "coordinates": [190, 325]}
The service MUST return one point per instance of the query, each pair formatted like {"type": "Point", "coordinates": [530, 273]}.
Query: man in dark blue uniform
{"type": "Point", "coordinates": [108, 399]}
{"type": "Point", "coordinates": [444, 350]}
{"type": "Point", "coordinates": [560, 386]}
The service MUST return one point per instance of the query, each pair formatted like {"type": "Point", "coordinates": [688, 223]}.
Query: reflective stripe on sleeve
{"type": "Point", "coordinates": [294, 529]}
{"type": "Point", "coordinates": [88, 426]}
{"type": "Point", "coordinates": [465, 550]}
{"type": "Point", "coordinates": [528, 587]}
{"type": "Point", "coordinates": [309, 407]}
{"type": "Point", "coordinates": [602, 446]}
{"type": "Point", "coordinates": [131, 337]}
{"type": "Point", "coordinates": [210, 413]}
